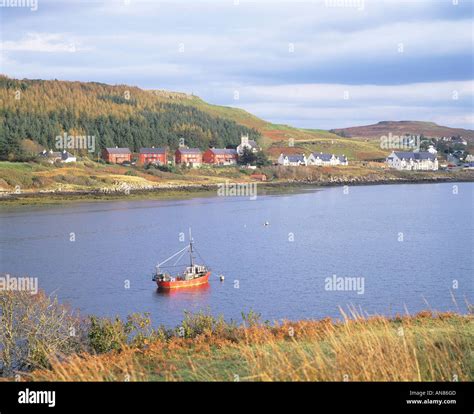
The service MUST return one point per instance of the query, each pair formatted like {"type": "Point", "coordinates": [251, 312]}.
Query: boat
{"type": "Point", "coordinates": [193, 275]}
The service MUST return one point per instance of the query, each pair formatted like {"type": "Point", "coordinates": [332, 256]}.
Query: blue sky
{"type": "Point", "coordinates": [314, 64]}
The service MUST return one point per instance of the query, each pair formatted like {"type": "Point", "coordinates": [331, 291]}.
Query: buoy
{"type": "Point", "coordinates": [221, 278]}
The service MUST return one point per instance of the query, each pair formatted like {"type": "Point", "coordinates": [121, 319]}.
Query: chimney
{"type": "Point", "coordinates": [244, 139]}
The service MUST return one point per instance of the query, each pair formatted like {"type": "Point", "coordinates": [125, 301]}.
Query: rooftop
{"type": "Point", "coordinates": [416, 155]}
{"type": "Point", "coordinates": [152, 150]}
{"type": "Point", "coordinates": [117, 150]}
{"type": "Point", "coordinates": [295, 157]}
{"type": "Point", "coordinates": [223, 151]}
{"type": "Point", "coordinates": [189, 150]}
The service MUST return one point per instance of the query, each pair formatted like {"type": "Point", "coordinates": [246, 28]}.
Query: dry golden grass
{"type": "Point", "coordinates": [425, 347]}
{"type": "Point", "coordinates": [376, 351]}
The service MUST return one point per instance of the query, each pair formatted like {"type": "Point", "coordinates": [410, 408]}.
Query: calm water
{"type": "Point", "coordinates": [349, 235]}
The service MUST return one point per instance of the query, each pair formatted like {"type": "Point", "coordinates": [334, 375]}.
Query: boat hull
{"type": "Point", "coordinates": [179, 284]}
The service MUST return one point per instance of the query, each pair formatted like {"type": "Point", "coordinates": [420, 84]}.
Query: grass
{"type": "Point", "coordinates": [424, 347]}
{"type": "Point", "coordinates": [354, 150]}
{"type": "Point", "coordinates": [90, 176]}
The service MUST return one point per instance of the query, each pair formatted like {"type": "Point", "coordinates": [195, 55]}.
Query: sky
{"type": "Point", "coordinates": [312, 64]}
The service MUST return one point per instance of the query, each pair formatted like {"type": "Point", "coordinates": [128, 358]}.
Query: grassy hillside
{"type": "Point", "coordinates": [92, 176]}
{"type": "Point", "coordinates": [129, 116]}
{"type": "Point", "coordinates": [426, 347]}
{"type": "Point", "coordinates": [115, 115]}
{"type": "Point", "coordinates": [36, 342]}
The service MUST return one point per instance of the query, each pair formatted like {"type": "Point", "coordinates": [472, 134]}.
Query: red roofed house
{"type": "Point", "coordinates": [117, 155]}
{"type": "Point", "coordinates": [220, 156]}
{"type": "Point", "coordinates": [153, 156]}
{"type": "Point", "coordinates": [191, 157]}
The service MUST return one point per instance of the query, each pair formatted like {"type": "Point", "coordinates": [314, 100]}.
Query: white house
{"type": "Point", "coordinates": [62, 156]}
{"type": "Point", "coordinates": [322, 159]}
{"type": "Point", "coordinates": [293, 160]}
{"type": "Point", "coordinates": [432, 149]}
{"type": "Point", "coordinates": [67, 157]}
{"type": "Point", "coordinates": [412, 161]}
{"type": "Point", "coordinates": [245, 142]}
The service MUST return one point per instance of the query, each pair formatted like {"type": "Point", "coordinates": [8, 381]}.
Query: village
{"type": "Point", "coordinates": [415, 160]}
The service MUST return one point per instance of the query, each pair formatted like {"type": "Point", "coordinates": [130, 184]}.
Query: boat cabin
{"type": "Point", "coordinates": [195, 270]}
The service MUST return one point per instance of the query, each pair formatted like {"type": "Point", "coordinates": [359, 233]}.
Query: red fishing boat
{"type": "Point", "coordinates": [193, 275]}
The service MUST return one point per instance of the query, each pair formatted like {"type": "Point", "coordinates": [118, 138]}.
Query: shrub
{"type": "Point", "coordinates": [200, 323]}
{"type": "Point", "coordinates": [35, 329]}
{"type": "Point", "coordinates": [252, 318]}
{"type": "Point", "coordinates": [163, 167]}
{"type": "Point", "coordinates": [106, 334]}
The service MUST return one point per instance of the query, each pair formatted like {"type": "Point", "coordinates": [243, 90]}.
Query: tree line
{"type": "Point", "coordinates": [166, 127]}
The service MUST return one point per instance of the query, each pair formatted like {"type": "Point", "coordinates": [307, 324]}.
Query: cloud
{"type": "Point", "coordinates": [329, 94]}
{"type": "Point", "coordinates": [289, 60]}
{"type": "Point", "coordinates": [324, 106]}
{"type": "Point", "coordinates": [42, 43]}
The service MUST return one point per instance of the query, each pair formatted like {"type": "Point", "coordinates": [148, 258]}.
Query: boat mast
{"type": "Point", "coordinates": [191, 248]}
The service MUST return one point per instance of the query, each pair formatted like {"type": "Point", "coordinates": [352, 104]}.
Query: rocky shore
{"type": "Point", "coordinates": [168, 191]}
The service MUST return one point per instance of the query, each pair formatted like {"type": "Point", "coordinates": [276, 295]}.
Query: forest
{"type": "Point", "coordinates": [115, 115]}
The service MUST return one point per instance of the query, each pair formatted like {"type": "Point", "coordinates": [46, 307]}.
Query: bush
{"type": "Point", "coordinates": [167, 168]}
{"type": "Point", "coordinates": [35, 329]}
{"type": "Point", "coordinates": [252, 319]}
{"type": "Point", "coordinates": [39, 182]}
{"type": "Point", "coordinates": [198, 324]}
{"type": "Point", "coordinates": [106, 334]}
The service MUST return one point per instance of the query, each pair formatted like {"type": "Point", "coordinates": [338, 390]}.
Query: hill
{"type": "Point", "coordinates": [119, 115]}
{"type": "Point", "coordinates": [39, 110]}
{"type": "Point", "coordinates": [427, 129]}
{"type": "Point", "coordinates": [36, 111]}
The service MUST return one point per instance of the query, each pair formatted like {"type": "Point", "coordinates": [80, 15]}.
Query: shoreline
{"type": "Point", "coordinates": [206, 190]}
